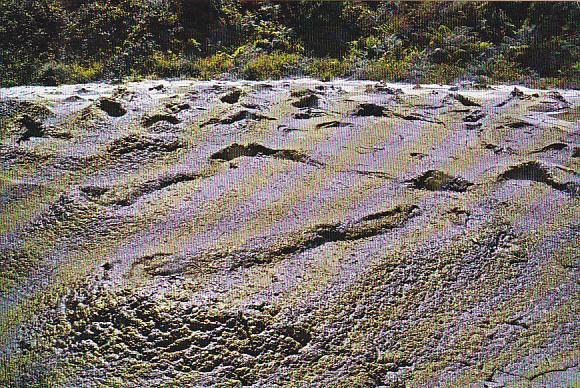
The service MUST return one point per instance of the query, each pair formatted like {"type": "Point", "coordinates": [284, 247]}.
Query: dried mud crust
{"type": "Point", "coordinates": [292, 233]}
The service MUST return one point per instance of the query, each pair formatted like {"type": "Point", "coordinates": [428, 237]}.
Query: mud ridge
{"type": "Point", "coordinates": [123, 197]}
{"type": "Point", "coordinates": [537, 172]}
{"type": "Point", "coordinates": [551, 147]}
{"type": "Point", "coordinates": [236, 117]}
{"type": "Point", "coordinates": [293, 244]}
{"type": "Point", "coordinates": [236, 150]}
{"type": "Point", "coordinates": [318, 235]}
{"type": "Point", "coordinates": [160, 117]}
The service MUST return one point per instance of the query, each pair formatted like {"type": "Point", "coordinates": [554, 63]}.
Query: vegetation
{"type": "Point", "coordinates": [62, 41]}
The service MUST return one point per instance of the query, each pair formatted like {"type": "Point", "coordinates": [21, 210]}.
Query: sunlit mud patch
{"type": "Point", "coordinates": [163, 336]}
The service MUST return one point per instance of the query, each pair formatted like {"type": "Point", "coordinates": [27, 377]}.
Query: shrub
{"type": "Point", "coordinates": [500, 69]}
{"type": "Point", "coordinates": [271, 66]}
{"type": "Point", "coordinates": [213, 66]}
{"type": "Point", "coordinates": [85, 73]}
{"type": "Point", "coordinates": [325, 68]}
{"type": "Point", "coordinates": [444, 74]}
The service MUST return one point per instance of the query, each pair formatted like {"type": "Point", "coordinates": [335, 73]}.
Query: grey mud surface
{"type": "Point", "coordinates": [288, 233]}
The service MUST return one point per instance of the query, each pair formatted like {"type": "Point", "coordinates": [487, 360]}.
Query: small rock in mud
{"type": "Point", "coordinates": [333, 124]}
{"type": "Point", "coordinates": [517, 93]}
{"type": "Point", "coordinates": [556, 96]}
{"type": "Point", "coordinates": [74, 98]}
{"type": "Point", "coordinates": [382, 88]}
{"type": "Point", "coordinates": [308, 114]}
{"type": "Point", "coordinates": [177, 107]}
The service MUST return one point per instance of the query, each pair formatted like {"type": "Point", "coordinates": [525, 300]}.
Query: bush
{"type": "Point", "coordinates": [444, 74]}
{"type": "Point", "coordinates": [55, 41]}
{"type": "Point", "coordinates": [85, 73]}
{"type": "Point", "coordinates": [213, 66]}
{"type": "Point", "coordinates": [271, 66]}
{"type": "Point", "coordinates": [325, 68]}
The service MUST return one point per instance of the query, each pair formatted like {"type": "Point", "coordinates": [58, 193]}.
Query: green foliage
{"type": "Point", "coordinates": [55, 41]}
{"type": "Point", "coordinates": [274, 65]}
{"type": "Point", "coordinates": [326, 68]}
{"type": "Point", "coordinates": [214, 66]}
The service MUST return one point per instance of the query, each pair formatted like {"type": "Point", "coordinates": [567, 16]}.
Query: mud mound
{"type": "Point", "coordinates": [306, 101]}
{"type": "Point", "coordinates": [112, 107]}
{"type": "Point", "coordinates": [369, 109]}
{"type": "Point", "coordinates": [31, 127]}
{"type": "Point", "coordinates": [435, 180]}
{"type": "Point", "coordinates": [180, 340]}
{"type": "Point", "coordinates": [466, 101]}
{"type": "Point", "coordinates": [232, 96]}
